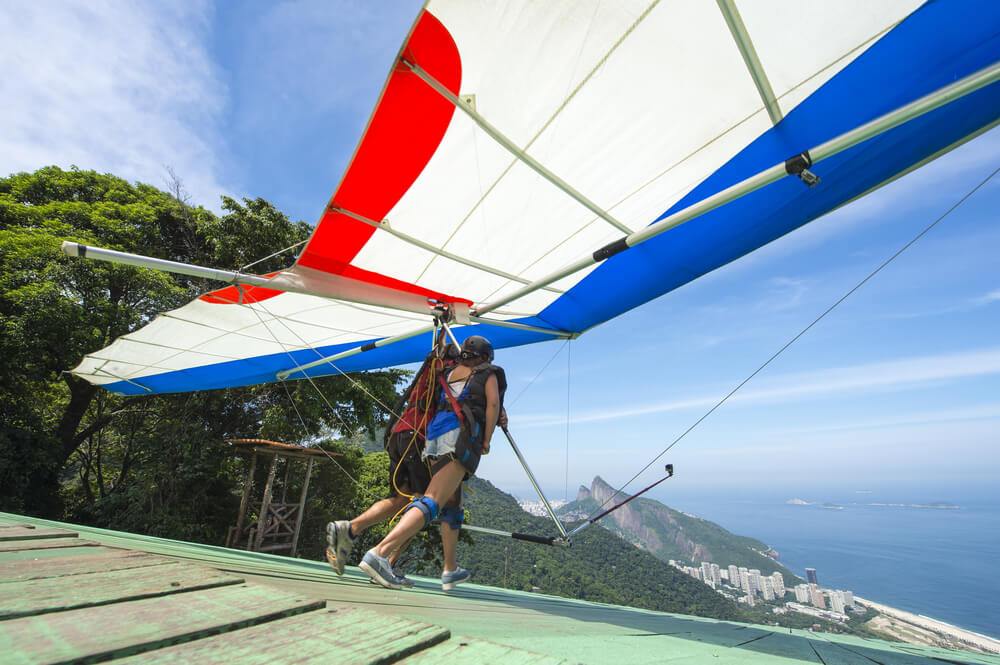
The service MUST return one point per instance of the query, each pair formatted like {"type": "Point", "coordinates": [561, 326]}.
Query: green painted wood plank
{"type": "Point", "coordinates": [8, 526]}
{"type": "Point", "coordinates": [123, 629]}
{"type": "Point", "coordinates": [30, 533]}
{"type": "Point", "coordinates": [35, 569]}
{"type": "Point", "coordinates": [783, 645]}
{"type": "Point", "coordinates": [19, 599]}
{"type": "Point", "coordinates": [343, 635]}
{"type": "Point", "coordinates": [42, 544]}
{"type": "Point", "coordinates": [718, 633]}
{"type": "Point", "coordinates": [64, 553]}
{"type": "Point", "coordinates": [459, 650]}
{"type": "Point", "coordinates": [833, 653]}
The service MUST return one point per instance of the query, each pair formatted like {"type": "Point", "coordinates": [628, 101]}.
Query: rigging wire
{"type": "Point", "coordinates": [569, 367]}
{"type": "Point", "coordinates": [271, 256]}
{"type": "Point", "coordinates": [540, 372]}
{"type": "Point", "coordinates": [302, 421]}
{"type": "Point", "coordinates": [313, 383]}
{"type": "Point", "coordinates": [357, 384]}
{"type": "Point", "coordinates": [795, 339]}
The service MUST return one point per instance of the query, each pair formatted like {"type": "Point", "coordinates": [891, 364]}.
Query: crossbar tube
{"type": "Point", "coordinates": [564, 334]}
{"type": "Point", "coordinates": [284, 374]}
{"type": "Point", "coordinates": [139, 261]}
{"type": "Point", "coordinates": [884, 123]}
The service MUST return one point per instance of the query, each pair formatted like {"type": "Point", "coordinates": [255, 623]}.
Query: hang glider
{"type": "Point", "coordinates": [540, 168]}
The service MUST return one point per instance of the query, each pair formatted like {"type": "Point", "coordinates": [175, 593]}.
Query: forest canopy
{"type": "Point", "coordinates": [155, 464]}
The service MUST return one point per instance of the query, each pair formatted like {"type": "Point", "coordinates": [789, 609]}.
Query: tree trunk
{"type": "Point", "coordinates": [81, 395]}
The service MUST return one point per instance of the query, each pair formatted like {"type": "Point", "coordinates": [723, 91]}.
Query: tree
{"type": "Point", "coordinates": [53, 309]}
{"type": "Point", "coordinates": [149, 463]}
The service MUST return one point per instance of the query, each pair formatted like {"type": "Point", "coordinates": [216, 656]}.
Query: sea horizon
{"type": "Point", "coordinates": [928, 561]}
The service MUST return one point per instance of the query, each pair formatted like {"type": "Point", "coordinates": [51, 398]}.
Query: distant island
{"type": "Point", "coordinates": [938, 506]}
{"type": "Point", "coordinates": [944, 505]}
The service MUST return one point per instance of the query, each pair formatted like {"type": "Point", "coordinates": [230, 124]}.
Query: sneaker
{"type": "Point", "coordinates": [379, 569]}
{"type": "Point", "coordinates": [457, 576]}
{"type": "Point", "coordinates": [339, 544]}
{"type": "Point", "coordinates": [405, 581]}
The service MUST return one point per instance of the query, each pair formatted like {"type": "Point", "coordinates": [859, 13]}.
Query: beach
{"type": "Point", "coordinates": [919, 629]}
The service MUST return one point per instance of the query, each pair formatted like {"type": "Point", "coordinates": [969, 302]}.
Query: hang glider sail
{"type": "Point", "coordinates": [541, 168]}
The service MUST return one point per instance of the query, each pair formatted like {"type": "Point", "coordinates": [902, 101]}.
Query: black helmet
{"type": "Point", "coordinates": [477, 346]}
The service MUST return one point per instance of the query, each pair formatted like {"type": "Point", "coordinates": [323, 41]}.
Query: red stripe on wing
{"type": "Point", "coordinates": [403, 134]}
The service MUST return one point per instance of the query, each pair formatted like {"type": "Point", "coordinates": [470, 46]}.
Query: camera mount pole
{"type": "Point", "coordinates": [670, 473]}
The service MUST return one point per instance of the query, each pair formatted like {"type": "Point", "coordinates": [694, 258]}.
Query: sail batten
{"type": "Point", "coordinates": [651, 111]}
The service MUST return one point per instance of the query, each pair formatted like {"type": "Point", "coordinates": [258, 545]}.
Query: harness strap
{"type": "Point", "coordinates": [451, 398]}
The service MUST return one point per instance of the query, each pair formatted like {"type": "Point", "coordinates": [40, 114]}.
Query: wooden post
{"type": "Point", "coordinates": [244, 501]}
{"type": "Point", "coordinates": [302, 506]}
{"type": "Point", "coordinates": [265, 505]}
{"type": "Point", "coordinates": [284, 484]}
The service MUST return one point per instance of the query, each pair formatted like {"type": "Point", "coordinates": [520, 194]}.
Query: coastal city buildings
{"type": "Point", "coordinates": [750, 587]}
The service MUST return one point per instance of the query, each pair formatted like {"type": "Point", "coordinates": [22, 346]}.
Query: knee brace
{"type": "Point", "coordinates": [454, 516]}
{"type": "Point", "coordinates": [427, 506]}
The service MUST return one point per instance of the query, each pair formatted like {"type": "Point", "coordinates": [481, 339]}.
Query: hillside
{"type": "Point", "coordinates": [599, 566]}
{"type": "Point", "coordinates": [670, 534]}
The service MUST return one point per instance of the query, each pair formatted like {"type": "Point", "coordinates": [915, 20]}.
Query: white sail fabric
{"type": "Point", "coordinates": [633, 108]}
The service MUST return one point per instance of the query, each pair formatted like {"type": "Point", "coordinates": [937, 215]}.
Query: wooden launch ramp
{"type": "Point", "coordinates": [73, 594]}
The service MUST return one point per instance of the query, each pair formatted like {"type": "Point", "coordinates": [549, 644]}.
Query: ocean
{"type": "Point", "coordinates": [941, 563]}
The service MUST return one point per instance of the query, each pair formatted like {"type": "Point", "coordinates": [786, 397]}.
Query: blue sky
{"type": "Point", "coordinates": [898, 388]}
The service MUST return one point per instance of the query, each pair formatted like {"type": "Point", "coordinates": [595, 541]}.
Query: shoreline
{"type": "Point", "coordinates": [920, 629]}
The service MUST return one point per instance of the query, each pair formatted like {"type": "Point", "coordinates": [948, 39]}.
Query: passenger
{"type": "Point", "coordinates": [456, 438]}
{"type": "Point", "coordinates": [409, 474]}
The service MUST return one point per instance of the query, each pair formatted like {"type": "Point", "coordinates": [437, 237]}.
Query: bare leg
{"type": "Point", "coordinates": [443, 485]}
{"type": "Point", "coordinates": [449, 542]}
{"type": "Point", "coordinates": [449, 536]}
{"type": "Point", "coordinates": [378, 512]}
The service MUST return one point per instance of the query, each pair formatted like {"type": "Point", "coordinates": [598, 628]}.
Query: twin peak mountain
{"type": "Point", "coordinates": [670, 534]}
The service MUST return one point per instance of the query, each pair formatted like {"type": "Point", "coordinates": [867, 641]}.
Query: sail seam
{"type": "Point", "coordinates": [541, 131]}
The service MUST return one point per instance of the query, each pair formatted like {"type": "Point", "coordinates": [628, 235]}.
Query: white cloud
{"type": "Point", "coordinates": [903, 374]}
{"type": "Point", "coordinates": [125, 88]}
{"type": "Point", "coordinates": [991, 297]}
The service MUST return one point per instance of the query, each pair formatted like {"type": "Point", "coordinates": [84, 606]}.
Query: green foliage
{"type": "Point", "coordinates": [53, 309]}
{"type": "Point", "coordinates": [249, 233]}
{"type": "Point", "coordinates": [151, 464]}
{"type": "Point", "coordinates": [598, 567]}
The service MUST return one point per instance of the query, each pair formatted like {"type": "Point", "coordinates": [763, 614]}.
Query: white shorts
{"type": "Point", "coordinates": [442, 445]}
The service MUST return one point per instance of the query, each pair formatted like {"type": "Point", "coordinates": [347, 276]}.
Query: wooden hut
{"type": "Point", "coordinates": [276, 528]}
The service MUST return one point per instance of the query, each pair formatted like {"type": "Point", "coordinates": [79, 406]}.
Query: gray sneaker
{"type": "Point", "coordinates": [339, 544]}
{"type": "Point", "coordinates": [380, 570]}
{"type": "Point", "coordinates": [405, 581]}
{"type": "Point", "coordinates": [457, 576]}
